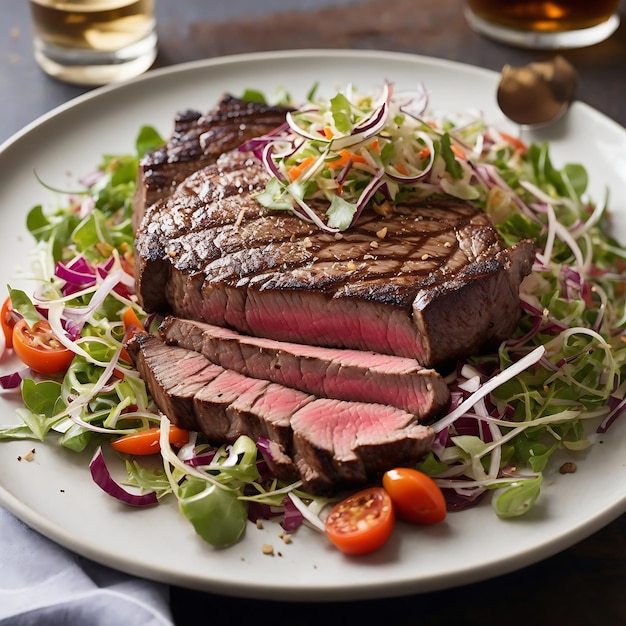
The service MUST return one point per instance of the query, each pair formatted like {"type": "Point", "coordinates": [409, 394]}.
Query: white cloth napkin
{"type": "Point", "coordinates": [43, 584]}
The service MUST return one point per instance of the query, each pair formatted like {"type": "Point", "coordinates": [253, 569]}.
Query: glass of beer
{"type": "Point", "coordinates": [94, 42]}
{"type": "Point", "coordinates": [544, 24]}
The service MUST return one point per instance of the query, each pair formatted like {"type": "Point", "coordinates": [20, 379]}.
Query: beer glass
{"type": "Point", "coordinates": [93, 42]}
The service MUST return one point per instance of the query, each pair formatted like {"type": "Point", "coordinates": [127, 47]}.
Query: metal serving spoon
{"type": "Point", "coordinates": [539, 93]}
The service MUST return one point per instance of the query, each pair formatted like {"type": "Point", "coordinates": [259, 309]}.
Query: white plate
{"type": "Point", "coordinates": [54, 493]}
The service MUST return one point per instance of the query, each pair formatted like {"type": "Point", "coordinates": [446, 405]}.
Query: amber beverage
{"type": "Point", "coordinates": [94, 41]}
{"type": "Point", "coordinates": [545, 23]}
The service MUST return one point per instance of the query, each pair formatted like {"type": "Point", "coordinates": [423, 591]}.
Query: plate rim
{"type": "Point", "coordinates": [37, 521]}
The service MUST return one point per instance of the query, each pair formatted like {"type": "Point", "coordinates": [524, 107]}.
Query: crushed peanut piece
{"type": "Point", "coordinates": [425, 257]}
{"type": "Point", "coordinates": [382, 233]}
{"type": "Point", "coordinates": [306, 242]}
{"type": "Point", "coordinates": [447, 244]}
{"type": "Point", "coordinates": [351, 265]}
{"type": "Point", "coordinates": [240, 217]}
{"type": "Point", "coordinates": [268, 549]}
{"type": "Point", "coordinates": [567, 468]}
{"type": "Point", "coordinates": [338, 236]}
{"type": "Point", "coordinates": [385, 209]}
{"type": "Point", "coordinates": [29, 456]}
{"type": "Point", "coordinates": [286, 537]}
{"type": "Point", "coordinates": [373, 244]}
{"type": "Point", "coordinates": [259, 524]}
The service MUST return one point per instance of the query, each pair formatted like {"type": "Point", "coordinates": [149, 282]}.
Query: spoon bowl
{"type": "Point", "coordinates": [539, 93]}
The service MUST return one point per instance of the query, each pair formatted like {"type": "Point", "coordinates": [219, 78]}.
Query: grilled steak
{"type": "Point", "coordinates": [198, 140]}
{"type": "Point", "coordinates": [334, 443]}
{"type": "Point", "coordinates": [326, 372]}
{"type": "Point", "coordinates": [432, 282]}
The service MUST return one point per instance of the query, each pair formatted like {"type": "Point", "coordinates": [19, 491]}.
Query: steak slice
{"type": "Point", "coordinates": [200, 396]}
{"type": "Point", "coordinates": [439, 285]}
{"type": "Point", "coordinates": [342, 374]}
{"type": "Point", "coordinates": [341, 444]}
{"type": "Point", "coordinates": [198, 140]}
{"type": "Point", "coordinates": [334, 443]}
{"type": "Point", "coordinates": [173, 389]}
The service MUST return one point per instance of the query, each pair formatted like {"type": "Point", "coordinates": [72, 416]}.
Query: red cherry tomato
{"type": "Point", "coordinates": [416, 497]}
{"type": "Point", "coordinates": [147, 441]}
{"type": "Point", "coordinates": [362, 522]}
{"type": "Point", "coordinates": [8, 317]}
{"type": "Point", "coordinates": [39, 348]}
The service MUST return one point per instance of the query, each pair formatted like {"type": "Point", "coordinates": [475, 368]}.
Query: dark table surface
{"type": "Point", "coordinates": [582, 585]}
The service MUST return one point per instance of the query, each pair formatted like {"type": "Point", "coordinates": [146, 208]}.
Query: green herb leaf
{"type": "Point", "coordinates": [148, 139]}
{"type": "Point", "coordinates": [253, 95]}
{"type": "Point", "coordinates": [217, 514]}
{"type": "Point", "coordinates": [23, 305]}
{"type": "Point", "coordinates": [342, 113]}
{"type": "Point", "coordinates": [453, 167]}
{"type": "Point", "coordinates": [340, 213]}
{"type": "Point", "coordinates": [518, 498]}
{"type": "Point", "coordinates": [273, 196]}
{"type": "Point", "coordinates": [41, 397]}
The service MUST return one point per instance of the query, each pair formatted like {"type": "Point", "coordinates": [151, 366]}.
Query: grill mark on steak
{"type": "Point", "coordinates": [211, 253]}
{"type": "Point", "coordinates": [334, 443]}
{"type": "Point", "coordinates": [325, 372]}
{"type": "Point", "coordinates": [198, 140]}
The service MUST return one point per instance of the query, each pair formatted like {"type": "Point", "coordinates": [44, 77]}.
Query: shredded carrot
{"type": "Point", "coordinates": [125, 357]}
{"type": "Point", "coordinates": [400, 167]}
{"type": "Point", "coordinates": [132, 325]}
{"type": "Point", "coordinates": [345, 156]}
{"type": "Point", "coordinates": [118, 373]}
{"type": "Point", "coordinates": [375, 146]}
{"type": "Point", "coordinates": [131, 321]}
{"type": "Point", "coordinates": [458, 152]}
{"type": "Point", "coordinates": [424, 153]}
{"type": "Point", "coordinates": [296, 170]}
{"type": "Point", "coordinates": [328, 132]}
{"type": "Point", "coordinates": [518, 144]}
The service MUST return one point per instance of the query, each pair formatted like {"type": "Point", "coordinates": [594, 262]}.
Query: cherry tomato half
{"type": "Point", "coordinates": [8, 317]}
{"type": "Point", "coordinates": [39, 348]}
{"type": "Point", "coordinates": [362, 522]}
{"type": "Point", "coordinates": [416, 497]}
{"type": "Point", "coordinates": [147, 441]}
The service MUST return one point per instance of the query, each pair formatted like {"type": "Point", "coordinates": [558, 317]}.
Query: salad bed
{"type": "Point", "coordinates": [511, 410]}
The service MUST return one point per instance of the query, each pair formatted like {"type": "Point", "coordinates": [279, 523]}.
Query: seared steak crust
{"type": "Point", "coordinates": [198, 140]}
{"type": "Point", "coordinates": [328, 444]}
{"type": "Point", "coordinates": [432, 282]}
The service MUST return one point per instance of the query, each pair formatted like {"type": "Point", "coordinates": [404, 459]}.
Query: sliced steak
{"type": "Point", "coordinates": [439, 285]}
{"type": "Point", "coordinates": [341, 444]}
{"type": "Point", "coordinates": [334, 443]}
{"type": "Point", "coordinates": [172, 388]}
{"type": "Point", "coordinates": [200, 396]}
{"type": "Point", "coordinates": [342, 374]}
{"type": "Point", "coordinates": [198, 140]}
